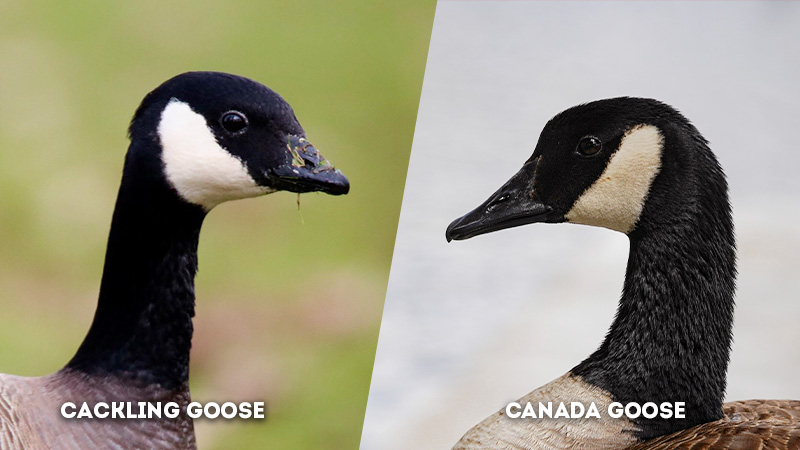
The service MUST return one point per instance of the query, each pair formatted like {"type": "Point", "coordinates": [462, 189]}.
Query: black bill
{"type": "Point", "coordinates": [512, 205]}
{"type": "Point", "coordinates": [307, 171]}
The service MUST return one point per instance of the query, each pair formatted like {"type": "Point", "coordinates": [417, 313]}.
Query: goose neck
{"type": "Point", "coordinates": [670, 340]}
{"type": "Point", "coordinates": [142, 328]}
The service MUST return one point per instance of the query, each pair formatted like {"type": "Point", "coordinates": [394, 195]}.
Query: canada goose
{"type": "Point", "coordinates": [199, 139]}
{"type": "Point", "coordinates": [639, 167]}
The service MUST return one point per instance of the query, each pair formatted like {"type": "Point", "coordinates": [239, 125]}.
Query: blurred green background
{"type": "Point", "coordinates": [288, 302]}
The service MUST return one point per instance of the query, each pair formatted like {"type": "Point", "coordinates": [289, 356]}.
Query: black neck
{"type": "Point", "coordinates": [670, 340]}
{"type": "Point", "coordinates": [142, 328]}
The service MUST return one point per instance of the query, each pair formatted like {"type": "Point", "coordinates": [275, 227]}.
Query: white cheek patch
{"type": "Point", "coordinates": [616, 199]}
{"type": "Point", "coordinates": [196, 165]}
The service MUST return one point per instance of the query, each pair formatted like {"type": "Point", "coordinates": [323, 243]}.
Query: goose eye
{"type": "Point", "coordinates": [233, 121]}
{"type": "Point", "coordinates": [589, 146]}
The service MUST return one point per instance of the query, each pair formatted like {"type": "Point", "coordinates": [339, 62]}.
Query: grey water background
{"type": "Point", "coordinates": [470, 326]}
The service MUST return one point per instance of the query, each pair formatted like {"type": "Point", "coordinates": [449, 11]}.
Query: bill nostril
{"type": "Point", "coordinates": [498, 201]}
{"type": "Point", "coordinates": [311, 159]}
{"type": "Point", "coordinates": [303, 153]}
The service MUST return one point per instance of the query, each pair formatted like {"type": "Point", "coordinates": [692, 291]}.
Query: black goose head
{"type": "Point", "coordinates": [219, 137]}
{"type": "Point", "coordinates": [594, 164]}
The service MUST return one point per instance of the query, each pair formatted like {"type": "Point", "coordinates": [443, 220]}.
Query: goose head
{"type": "Point", "coordinates": [598, 164]}
{"type": "Point", "coordinates": [215, 137]}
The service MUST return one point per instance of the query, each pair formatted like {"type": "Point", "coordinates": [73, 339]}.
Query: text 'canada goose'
{"type": "Point", "coordinates": [638, 166]}
{"type": "Point", "coordinates": [199, 139]}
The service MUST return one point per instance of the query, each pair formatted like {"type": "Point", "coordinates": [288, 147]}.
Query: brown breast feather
{"type": "Point", "coordinates": [747, 425]}
{"type": "Point", "coordinates": [30, 414]}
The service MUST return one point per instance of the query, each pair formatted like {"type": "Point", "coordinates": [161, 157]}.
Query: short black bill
{"type": "Point", "coordinates": [307, 171]}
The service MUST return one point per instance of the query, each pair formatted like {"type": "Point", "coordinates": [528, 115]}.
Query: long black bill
{"type": "Point", "coordinates": [307, 171]}
{"type": "Point", "coordinates": [512, 205]}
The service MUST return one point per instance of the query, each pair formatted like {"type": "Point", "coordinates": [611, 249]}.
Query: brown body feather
{"type": "Point", "coordinates": [30, 414]}
{"type": "Point", "coordinates": [747, 425]}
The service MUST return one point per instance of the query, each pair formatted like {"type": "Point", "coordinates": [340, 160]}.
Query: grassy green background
{"type": "Point", "coordinates": [288, 302]}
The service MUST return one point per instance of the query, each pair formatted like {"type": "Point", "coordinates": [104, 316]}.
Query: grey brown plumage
{"type": "Point", "coordinates": [747, 425]}
{"type": "Point", "coordinates": [30, 414]}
